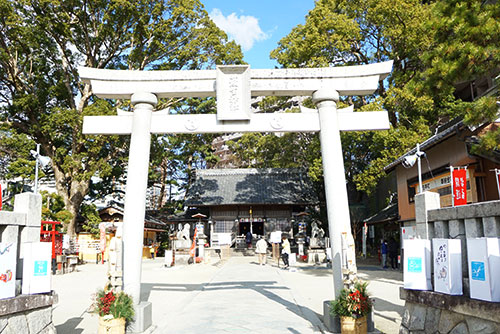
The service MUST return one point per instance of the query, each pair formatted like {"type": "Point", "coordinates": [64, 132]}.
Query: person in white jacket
{"type": "Point", "coordinates": [261, 250]}
{"type": "Point", "coordinates": [285, 251]}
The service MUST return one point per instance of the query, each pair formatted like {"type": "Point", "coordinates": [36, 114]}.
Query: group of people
{"type": "Point", "coordinates": [390, 249]}
{"type": "Point", "coordinates": [261, 250]}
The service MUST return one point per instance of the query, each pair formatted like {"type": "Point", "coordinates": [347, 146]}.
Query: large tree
{"type": "Point", "coordinates": [433, 45]}
{"type": "Point", "coordinates": [42, 43]}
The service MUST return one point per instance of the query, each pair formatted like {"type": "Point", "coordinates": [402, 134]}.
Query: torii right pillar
{"type": "Point", "coordinates": [339, 221]}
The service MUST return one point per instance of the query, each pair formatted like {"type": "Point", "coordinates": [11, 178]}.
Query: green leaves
{"type": "Point", "coordinates": [43, 42]}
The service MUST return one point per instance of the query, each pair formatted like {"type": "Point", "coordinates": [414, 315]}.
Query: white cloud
{"type": "Point", "coordinates": [245, 30]}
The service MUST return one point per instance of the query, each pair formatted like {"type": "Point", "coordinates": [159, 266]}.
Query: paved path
{"type": "Point", "coordinates": [234, 296]}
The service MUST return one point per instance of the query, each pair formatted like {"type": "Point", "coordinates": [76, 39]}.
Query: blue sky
{"type": "Point", "coordinates": [258, 25]}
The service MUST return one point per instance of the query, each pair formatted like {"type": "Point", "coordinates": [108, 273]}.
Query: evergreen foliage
{"type": "Point", "coordinates": [42, 98]}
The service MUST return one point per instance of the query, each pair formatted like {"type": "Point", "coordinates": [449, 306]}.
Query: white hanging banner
{"type": "Point", "coordinates": [8, 253]}
{"type": "Point", "coordinates": [483, 256]}
{"type": "Point", "coordinates": [37, 267]}
{"type": "Point", "coordinates": [417, 264]}
{"type": "Point", "coordinates": [447, 266]}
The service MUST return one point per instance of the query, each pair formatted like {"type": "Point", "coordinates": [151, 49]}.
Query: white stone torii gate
{"type": "Point", "coordinates": [233, 86]}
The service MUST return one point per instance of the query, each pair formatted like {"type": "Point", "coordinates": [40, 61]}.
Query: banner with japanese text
{"type": "Point", "coordinates": [459, 179]}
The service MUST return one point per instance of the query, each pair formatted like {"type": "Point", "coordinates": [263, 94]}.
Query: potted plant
{"type": "Point", "coordinates": [115, 309]}
{"type": "Point", "coordinates": [353, 306]}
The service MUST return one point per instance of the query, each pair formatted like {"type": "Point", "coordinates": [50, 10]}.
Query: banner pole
{"type": "Point", "coordinates": [451, 183]}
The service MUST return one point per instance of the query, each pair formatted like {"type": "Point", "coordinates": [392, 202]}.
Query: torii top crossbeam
{"type": "Point", "coordinates": [346, 80]}
{"type": "Point", "coordinates": [233, 85]}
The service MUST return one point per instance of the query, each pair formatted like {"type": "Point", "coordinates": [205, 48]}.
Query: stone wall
{"type": "Point", "coordinates": [24, 314]}
{"type": "Point", "coordinates": [27, 314]}
{"type": "Point", "coordinates": [437, 313]}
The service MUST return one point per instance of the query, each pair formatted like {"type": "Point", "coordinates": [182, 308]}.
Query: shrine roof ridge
{"type": "Point", "coordinates": [249, 171]}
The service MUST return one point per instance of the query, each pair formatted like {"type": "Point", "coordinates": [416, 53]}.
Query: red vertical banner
{"type": "Point", "coordinates": [459, 179]}
{"type": "Point", "coordinates": [192, 250]}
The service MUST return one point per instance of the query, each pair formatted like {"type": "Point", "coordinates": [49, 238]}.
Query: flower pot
{"type": "Point", "coordinates": [111, 326]}
{"type": "Point", "coordinates": [350, 325]}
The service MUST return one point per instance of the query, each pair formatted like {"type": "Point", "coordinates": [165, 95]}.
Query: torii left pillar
{"type": "Point", "coordinates": [135, 206]}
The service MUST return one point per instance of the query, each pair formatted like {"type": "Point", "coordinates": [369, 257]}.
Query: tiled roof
{"type": "Point", "coordinates": [251, 186]}
{"type": "Point", "coordinates": [389, 213]}
{"type": "Point", "coordinates": [443, 133]}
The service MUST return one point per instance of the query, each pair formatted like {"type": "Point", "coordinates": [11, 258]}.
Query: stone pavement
{"type": "Point", "coordinates": [233, 296]}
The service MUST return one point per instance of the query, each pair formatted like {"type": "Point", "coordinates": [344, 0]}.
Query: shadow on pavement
{"type": "Point", "coordinates": [146, 288]}
{"type": "Point", "coordinates": [383, 305]}
{"type": "Point", "coordinates": [69, 326]}
{"type": "Point", "coordinates": [262, 287]}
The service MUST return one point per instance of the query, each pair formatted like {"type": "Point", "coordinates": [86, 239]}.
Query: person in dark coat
{"type": "Point", "coordinates": [393, 253]}
{"type": "Point", "coordinates": [248, 239]}
{"type": "Point", "coordinates": [383, 251]}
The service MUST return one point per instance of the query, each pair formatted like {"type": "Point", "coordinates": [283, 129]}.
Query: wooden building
{"type": "Point", "coordinates": [257, 200]}
{"type": "Point", "coordinates": [152, 227]}
{"type": "Point", "coordinates": [450, 146]}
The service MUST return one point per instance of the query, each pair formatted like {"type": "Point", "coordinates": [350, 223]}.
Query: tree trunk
{"type": "Point", "coordinates": [73, 193]}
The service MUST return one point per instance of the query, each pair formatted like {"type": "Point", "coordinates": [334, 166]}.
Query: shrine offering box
{"type": "Point", "coordinates": [483, 257]}
{"type": "Point", "coordinates": [447, 266]}
{"type": "Point", "coordinates": [417, 264]}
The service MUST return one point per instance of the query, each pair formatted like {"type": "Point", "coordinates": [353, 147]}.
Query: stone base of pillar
{"type": "Point", "coordinates": [143, 318]}
{"type": "Point", "coordinates": [332, 322]}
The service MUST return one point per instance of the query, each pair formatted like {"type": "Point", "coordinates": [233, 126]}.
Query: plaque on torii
{"type": "Point", "coordinates": [234, 86]}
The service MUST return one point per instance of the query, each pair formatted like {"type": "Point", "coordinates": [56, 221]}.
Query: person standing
{"type": "Point", "coordinates": [285, 251]}
{"type": "Point", "coordinates": [261, 250]}
{"type": "Point", "coordinates": [393, 253]}
{"type": "Point", "coordinates": [248, 239]}
{"type": "Point", "coordinates": [383, 251]}
{"type": "Point", "coordinates": [152, 251]}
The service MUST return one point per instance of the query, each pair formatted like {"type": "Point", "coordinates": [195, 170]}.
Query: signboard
{"type": "Point", "coordinates": [417, 264]}
{"type": "Point", "coordinates": [37, 267]}
{"type": "Point", "coordinates": [459, 186]}
{"type": "Point", "coordinates": [169, 258]}
{"type": "Point", "coordinates": [483, 255]}
{"type": "Point", "coordinates": [447, 266]}
{"type": "Point", "coordinates": [200, 228]}
{"type": "Point", "coordinates": [275, 237]}
{"type": "Point", "coordinates": [89, 246]}
{"type": "Point", "coordinates": [8, 253]}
